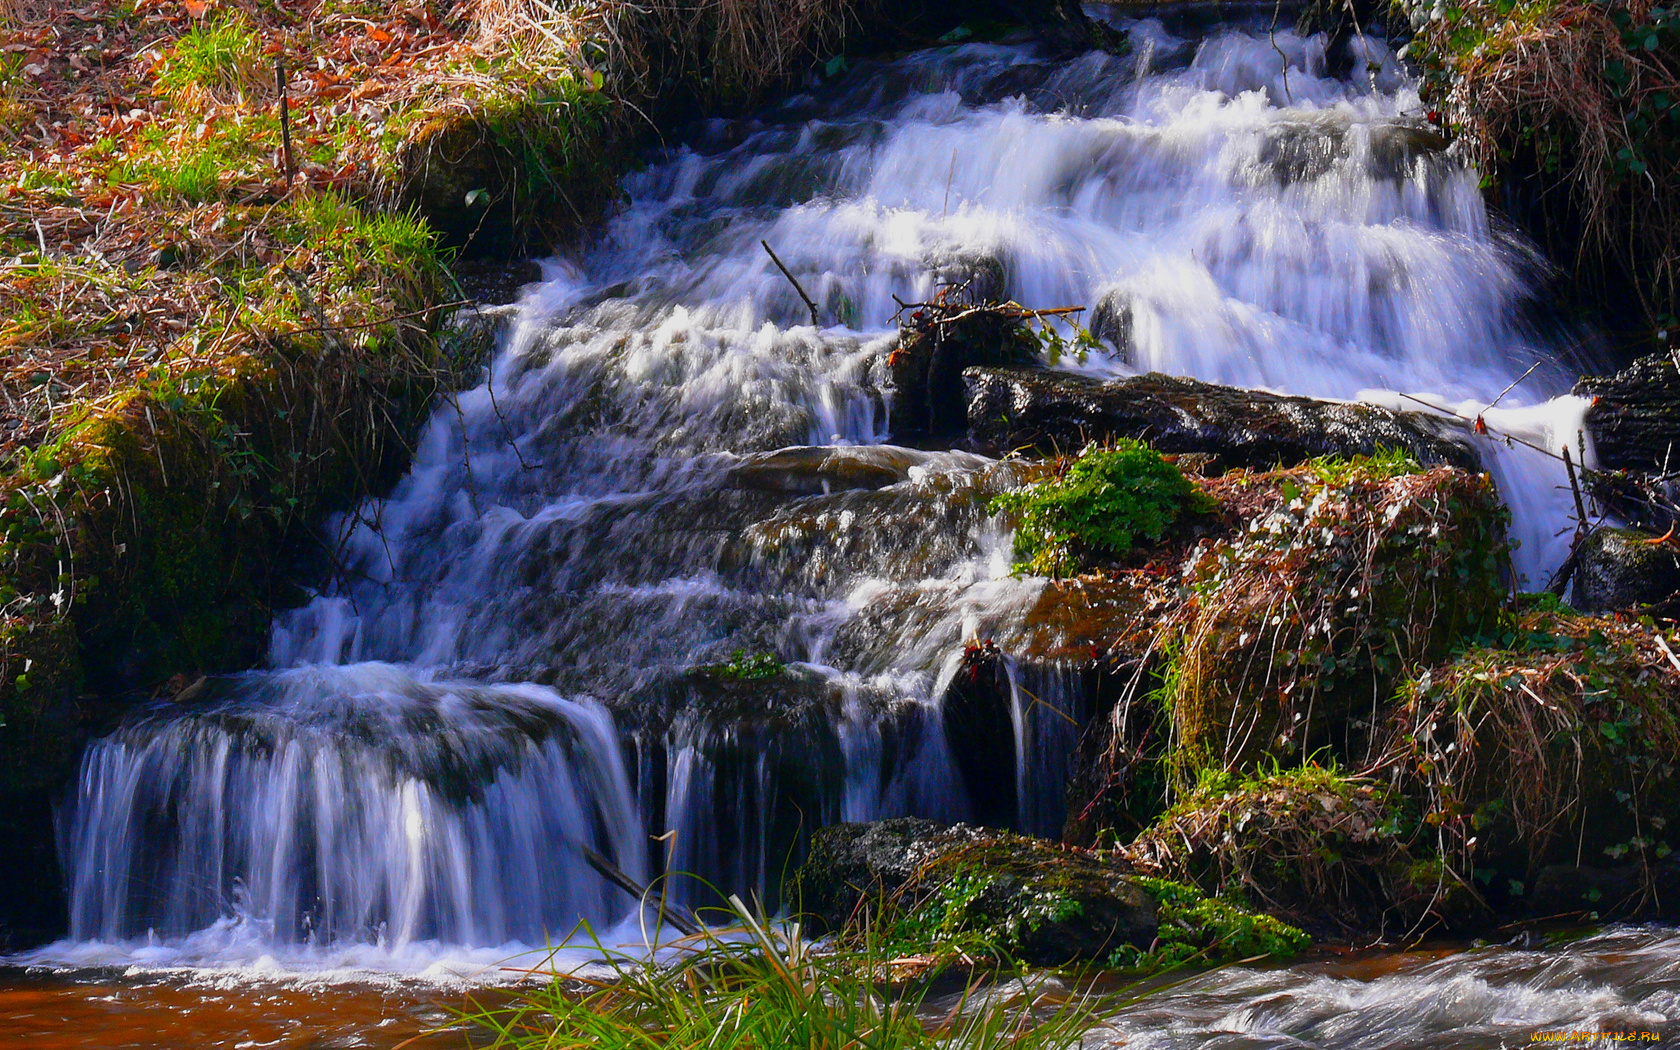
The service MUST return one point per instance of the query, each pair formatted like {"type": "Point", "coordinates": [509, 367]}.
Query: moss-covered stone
{"type": "Point", "coordinates": [916, 887]}
{"type": "Point", "coordinates": [920, 887]}
{"type": "Point", "coordinates": [1622, 569]}
{"type": "Point", "coordinates": [1298, 629]}
{"type": "Point", "coordinates": [1307, 842]}
{"type": "Point", "coordinates": [1550, 741]}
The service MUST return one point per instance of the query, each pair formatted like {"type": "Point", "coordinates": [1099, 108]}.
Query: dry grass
{"type": "Point", "coordinates": [1537, 82]}
{"type": "Point", "coordinates": [1551, 744]}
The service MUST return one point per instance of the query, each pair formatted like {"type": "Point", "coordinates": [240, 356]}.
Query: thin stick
{"type": "Point", "coordinates": [610, 872]}
{"type": "Point", "coordinates": [793, 281]}
{"type": "Point", "coordinates": [285, 118]}
{"type": "Point", "coordinates": [1514, 382]}
{"type": "Point", "coordinates": [1575, 488]}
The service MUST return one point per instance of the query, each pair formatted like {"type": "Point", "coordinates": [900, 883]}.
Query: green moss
{"type": "Point", "coordinates": [1101, 504]}
{"type": "Point", "coordinates": [1196, 928]}
{"type": "Point", "coordinates": [744, 667]}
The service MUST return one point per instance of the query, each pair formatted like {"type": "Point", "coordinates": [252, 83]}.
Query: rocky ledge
{"type": "Point", "coordinates": [1050, 412]}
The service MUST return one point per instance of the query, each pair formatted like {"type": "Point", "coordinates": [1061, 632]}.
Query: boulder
{"type": "Point", "coordinates": [1043, 903]}
{"type": "Point", "coordinates": [1051, 411]}
{"type": "Point", "coordinates": [925, 373]}
{"type": "Point", "coordinates": [1634, 418]}
{"type": "Point", "coordinates": [1623, 568]}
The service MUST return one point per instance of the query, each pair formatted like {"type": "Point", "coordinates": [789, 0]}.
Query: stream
{"type": "Point", "coordinates": [328, 852]}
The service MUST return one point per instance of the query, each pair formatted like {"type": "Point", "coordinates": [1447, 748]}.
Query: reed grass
{"type": "Point", "coordinates": [755, 984]}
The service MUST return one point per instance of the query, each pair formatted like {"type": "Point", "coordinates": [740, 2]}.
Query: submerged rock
{"type": "Point", "coordinates": [1052, 412]}
{"type": "Point", "coordinates": [1043, 903]}
{"type": "Point", "coordinates": [813, 469]}
{"type": "Point", "coordinates": [1624, 568]}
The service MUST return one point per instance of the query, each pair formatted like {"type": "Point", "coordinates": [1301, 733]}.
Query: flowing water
{"type": "Point", "coordinates": [510, 667]}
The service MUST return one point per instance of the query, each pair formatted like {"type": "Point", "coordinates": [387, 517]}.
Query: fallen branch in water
{"type": "Point", "coordinates": [809, 305]}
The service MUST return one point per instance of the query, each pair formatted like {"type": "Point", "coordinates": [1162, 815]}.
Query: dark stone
{"type": "Point", "coordinates": [1622, 569]}
{"type": "Point", "coordinates": [980, 733]}
{"type": "Point", "coordinates": [1063, 904]}
{"type": "Point", "coordinates": [925, 372]}
{"type": "Point", "coordinates": [1634, 419]}
{"type": "Point", "coordinates": [1625, 891]}
{"type": "Point", "coordinates": [1059, 412]}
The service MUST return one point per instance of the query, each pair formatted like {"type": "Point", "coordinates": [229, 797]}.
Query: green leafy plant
{"type": "Point", "coordinates": [747, 667]}
{"type": "Point", "coordinates": [1102, 503]}
{"type": "Point", "coordinates": [1197, 928]}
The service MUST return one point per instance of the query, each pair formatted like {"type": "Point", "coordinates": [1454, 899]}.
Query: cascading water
{"type": "Point", "coordinates": [602, 520]}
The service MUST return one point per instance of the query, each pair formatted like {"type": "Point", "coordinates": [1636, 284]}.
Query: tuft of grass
{"type": "Point", "coordinates": [219, 55]}
{"type": "Point", "coordinates": [1107, 499]}
{"type": "Point", "coordinates": [1381, 465]}
{"type": "Point", "coordinates": [756, 984]}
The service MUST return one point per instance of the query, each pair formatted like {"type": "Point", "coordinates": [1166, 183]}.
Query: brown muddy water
{"type": "Point", "coordinates": [1616, 987]}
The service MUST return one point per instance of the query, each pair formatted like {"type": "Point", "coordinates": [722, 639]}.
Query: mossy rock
{"type": "Point", "coordinates": [1309, 843]}
{"type": "Point", "coordinates": [1624, 568]}
{"type": "Point", "coordinates": [1550, 741]}
{"type": "Point", "coordinates": [923, 886]}
{"type": "Point", "coordinates": [1299, 628]}
{"type": "Point", "coordinates": [918, 888]}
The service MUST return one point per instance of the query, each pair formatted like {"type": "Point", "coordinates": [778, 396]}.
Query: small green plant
{"type": "Point", "coordinates": [763, 986]}
{"type": "Point", "coordinates": [1380, 465]}
{"type": "Point", "coordinates": [1105, 500]}
{"type": "Point", "coordinates": [1197, 928]}
{"type": "Point", "coordinates": [1057, 346]}
{"type": "Point", "coordinates": [219, 54]}
{"type": "Point", "coordinates": [745, 667]}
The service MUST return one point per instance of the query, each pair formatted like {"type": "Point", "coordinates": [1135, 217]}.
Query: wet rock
{"type": "Point", "coordinates": [980, 734]}
{"type": "Point", "coordinates": [816, 469]}
{"type": "Point", "coordinates": [1052, 412]}
{"type": "Point", "coordinates": [924, 373]}
{"type": "Point", "coordinates": [1634, 419]}
{"type": "Point", "coordinates": [1041, 902]}
{"type": "Point", "coordinates": [1624, 568]}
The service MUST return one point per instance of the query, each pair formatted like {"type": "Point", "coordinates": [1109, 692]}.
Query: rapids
{"type": "Point", "coordinates": [505, 668]}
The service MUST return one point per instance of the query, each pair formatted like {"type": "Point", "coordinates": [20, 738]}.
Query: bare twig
{"type": "Point", "coordinates": [815, 321]}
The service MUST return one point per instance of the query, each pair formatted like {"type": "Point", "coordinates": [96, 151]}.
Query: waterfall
{"type": "Point", "coordinates": [528, 648]}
